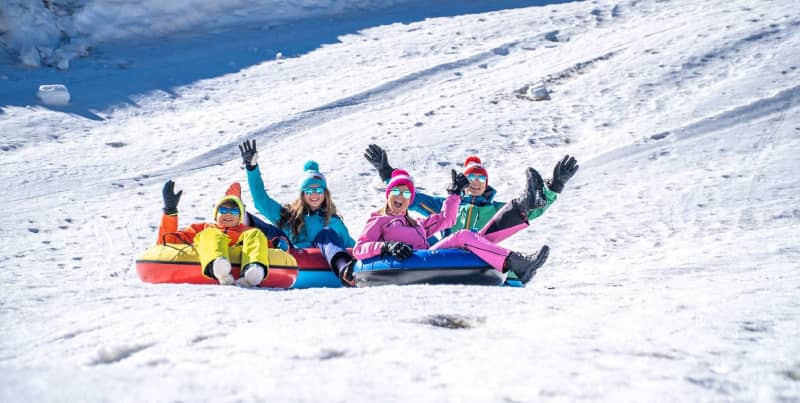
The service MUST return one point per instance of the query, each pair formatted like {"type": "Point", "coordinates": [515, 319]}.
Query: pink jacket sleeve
{"type": "Point", "coordinates": [444, 220]}
{"type": "Point", "coordinates": [368, 244]}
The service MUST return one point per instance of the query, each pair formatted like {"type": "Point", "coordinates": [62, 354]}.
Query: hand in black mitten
{"type": "Point", "coordinates": [460, 181]}
{"type": "Point", "coordinates": [249, 154]}
{"type": "Point", "coordinates": [378, 158]}
{"type": "Point", "coordinates": [562, 172]}
{"type": "Point", "coordinates": [171, 198]}
{"type": "Point", "coordinates": [400, 250]}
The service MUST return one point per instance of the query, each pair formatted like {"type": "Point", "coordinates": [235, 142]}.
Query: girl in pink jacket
{"type": "Point", "coordinates": [392, 231]}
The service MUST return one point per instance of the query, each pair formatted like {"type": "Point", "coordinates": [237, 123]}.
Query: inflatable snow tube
{"type": "Point", "coordinates": [443, 266]}
{"type": "Point", "coordinates": [179, 263]}
{"type": "Point", "coordinates": [313, 269]}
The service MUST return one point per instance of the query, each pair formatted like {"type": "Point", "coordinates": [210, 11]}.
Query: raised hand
{"type": "Point", "coordinates": [458, 184]}
{"type": "Point", "coordinates": [378, 158]}
{"type": "Point", "coordinates": [171, 198]}
{"type": "Point", "coordinates": [249, 154]}
{"type": "Point", "coordinates": [400, 250]}
{"type": "Point", "coordinates": [562, 172]}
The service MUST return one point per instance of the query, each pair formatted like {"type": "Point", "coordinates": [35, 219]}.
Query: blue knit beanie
{"type": "Point", "coordinates": [312, 176]}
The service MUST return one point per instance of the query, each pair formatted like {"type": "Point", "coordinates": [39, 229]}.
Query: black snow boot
{"type": "Point", "coordinates": [346, 274]}
{"type": "Point", "coordinates": [525, 266]}
{"type": "Point", "coordinates": [533, 197]}
{"type": "Point", "coordinates": [344, 264]}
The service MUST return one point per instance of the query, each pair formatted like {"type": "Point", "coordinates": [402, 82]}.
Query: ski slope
{"type": "Point", "coordinates": [673, 266]}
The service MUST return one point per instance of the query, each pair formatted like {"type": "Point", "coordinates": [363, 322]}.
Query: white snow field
{"type": "Point", "coordinates": [673, 274]}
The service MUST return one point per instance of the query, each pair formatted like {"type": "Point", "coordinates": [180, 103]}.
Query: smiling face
{"type": "Point", "coordinates": [397, 203]}
{"type": "Point", "coordinates": [228, 215]}
{"type": "Point", "coordinates": [313, 196]}
{"type": "Point", "coordinates": [476, 186]}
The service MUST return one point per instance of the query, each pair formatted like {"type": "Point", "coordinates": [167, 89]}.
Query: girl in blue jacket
{"type": "Point", "coordinates": [309, 221]}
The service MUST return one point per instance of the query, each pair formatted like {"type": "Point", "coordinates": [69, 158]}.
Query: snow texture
{"type": "Point", "coordinates": [53, 94]}
{"type": "Point", "coordinates": [673, 274]}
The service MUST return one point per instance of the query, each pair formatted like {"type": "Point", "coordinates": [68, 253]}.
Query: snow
{"type": "Point", "coordinates": [53, 94]}
{"type": "Point", "coordinates": [673, 270]}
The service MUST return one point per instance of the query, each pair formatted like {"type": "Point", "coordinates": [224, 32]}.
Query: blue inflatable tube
{"type": "Point", "coordinates": [443, 266]}
{"type": "Point", "coordinates": [313, 270]}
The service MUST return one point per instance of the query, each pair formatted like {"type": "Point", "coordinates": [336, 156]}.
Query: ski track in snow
{"type": "Point", "coordinates": [780, 104]}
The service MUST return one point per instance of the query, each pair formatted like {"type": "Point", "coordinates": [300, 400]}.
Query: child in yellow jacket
{"type": "Point", "coordinates": [213, 241]}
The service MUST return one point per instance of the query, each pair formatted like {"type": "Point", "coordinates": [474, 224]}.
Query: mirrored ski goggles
{"type": "Point", "coordinates": [310, 191]}
{"type": "Point", "coordinates": [229, 210]}
{"type": "Point", "coordinates": [397, 192]}
{"type": "Point", "coordinates": [481, 178]}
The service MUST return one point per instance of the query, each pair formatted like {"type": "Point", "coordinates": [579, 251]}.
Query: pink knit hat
{"type": "Point", "coordinates": [401, 177]}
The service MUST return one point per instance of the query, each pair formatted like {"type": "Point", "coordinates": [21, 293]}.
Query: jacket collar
{"type": "Point", "coordinates": [482, 200]}
{"type": "Point", "coordinates": [320, 212]}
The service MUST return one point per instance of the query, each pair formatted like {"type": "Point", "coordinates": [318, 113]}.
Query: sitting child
{"type": "Point", "coordinates": [214, 241]}
{"type": "Point", "coordinates": [311, 220]}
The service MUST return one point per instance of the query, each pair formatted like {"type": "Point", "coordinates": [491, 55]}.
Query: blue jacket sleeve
{"type": "Point", "coordinates": [426, 205]}
{"type": "Point", "coordinates": [338, 226]}
{"type": "Point", "coordinates": [264, 204]}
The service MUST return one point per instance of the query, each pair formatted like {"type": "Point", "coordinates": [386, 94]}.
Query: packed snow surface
{"type": "Point", "coordinates": [673, 274]}
{"type": "Point", "coordinates": [53, 94]}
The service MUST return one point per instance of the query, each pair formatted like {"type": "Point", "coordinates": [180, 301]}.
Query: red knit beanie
{"type": "Point", "coordinates": [473, 165]}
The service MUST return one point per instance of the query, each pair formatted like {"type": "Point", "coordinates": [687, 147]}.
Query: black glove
{"type": "Point", "coordinates": [400, 250]}
{"type": "Point", "coordinates": [378, 158]}
{"type": "Point", "coordinates": [460, 181]}
{"type": "Point", "coordinates": [562, 172]}
{"type": "Point", "coordinates": [171, 198]}
{"type": "Point", "coordinates": [249, 154]}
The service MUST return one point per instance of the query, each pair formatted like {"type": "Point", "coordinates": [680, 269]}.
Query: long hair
{"type": "Point", "coordinates": [292, 214]}
{"type": "Point", "coordinates": [412, 222]}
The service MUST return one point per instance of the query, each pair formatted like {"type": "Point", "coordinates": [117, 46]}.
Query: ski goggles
{"type": "Point", "coordinates": [397, 192]}
{"type": "Point", "coordinates": [310, 191]}
{"type": "Point", "coordinates": [480, 178]}
{"type": "Point", "coordinates": [229, 210]}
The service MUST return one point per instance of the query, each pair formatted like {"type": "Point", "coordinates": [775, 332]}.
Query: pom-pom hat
{"type": "Point", "coordinates": [399, 178]}
{"type": "Point", "coordinates": [312, 176]}
{"type": "Point", "coordinates": [232, 195]}
{"type": "Point", "coordinates": [473, 165]}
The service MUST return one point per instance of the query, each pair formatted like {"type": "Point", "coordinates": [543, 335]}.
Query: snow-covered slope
{"type": "Point", "coordinates": [673, 267]}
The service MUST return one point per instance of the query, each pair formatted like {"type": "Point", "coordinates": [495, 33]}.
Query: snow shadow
{"type": "Point", "coordinates": [115, 73]}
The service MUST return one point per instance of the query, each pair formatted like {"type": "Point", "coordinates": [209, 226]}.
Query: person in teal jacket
{"type": "Point", "coordinates": [478, 210]}
{"type": "Point", "coordinates": [309, 221]}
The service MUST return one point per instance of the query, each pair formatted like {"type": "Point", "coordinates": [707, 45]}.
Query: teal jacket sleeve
{"type": "Point", "coordinates": [264, 204]}
{"type": "Point", "coordinates": [338, 226]}
{"type": "Point", "coordinates": [426, 205]}
{"type": "Point", "coordinates": [551, 197]}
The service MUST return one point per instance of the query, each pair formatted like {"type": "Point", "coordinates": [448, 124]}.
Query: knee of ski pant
{"type": "Point", "coordinates": [254, 248]}
{"type": "Point", "coordinates": [465, 235]}
{"type": "Point", "coordinates": [211, 243]}
{"type": "Point", "coordinates": [328, 235]}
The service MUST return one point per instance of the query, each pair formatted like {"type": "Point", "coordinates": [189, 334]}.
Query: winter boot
{"type": "Point", "coordinates": [525, 266]}
{"type": "Point", "coordinates": [221, 268]}
{"type": "Point", "coordinates": [533, 197]}
{"type": "Point", "coordinates": [346, 274]}
{"type": "Point", "coordinates": [252, 275]}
